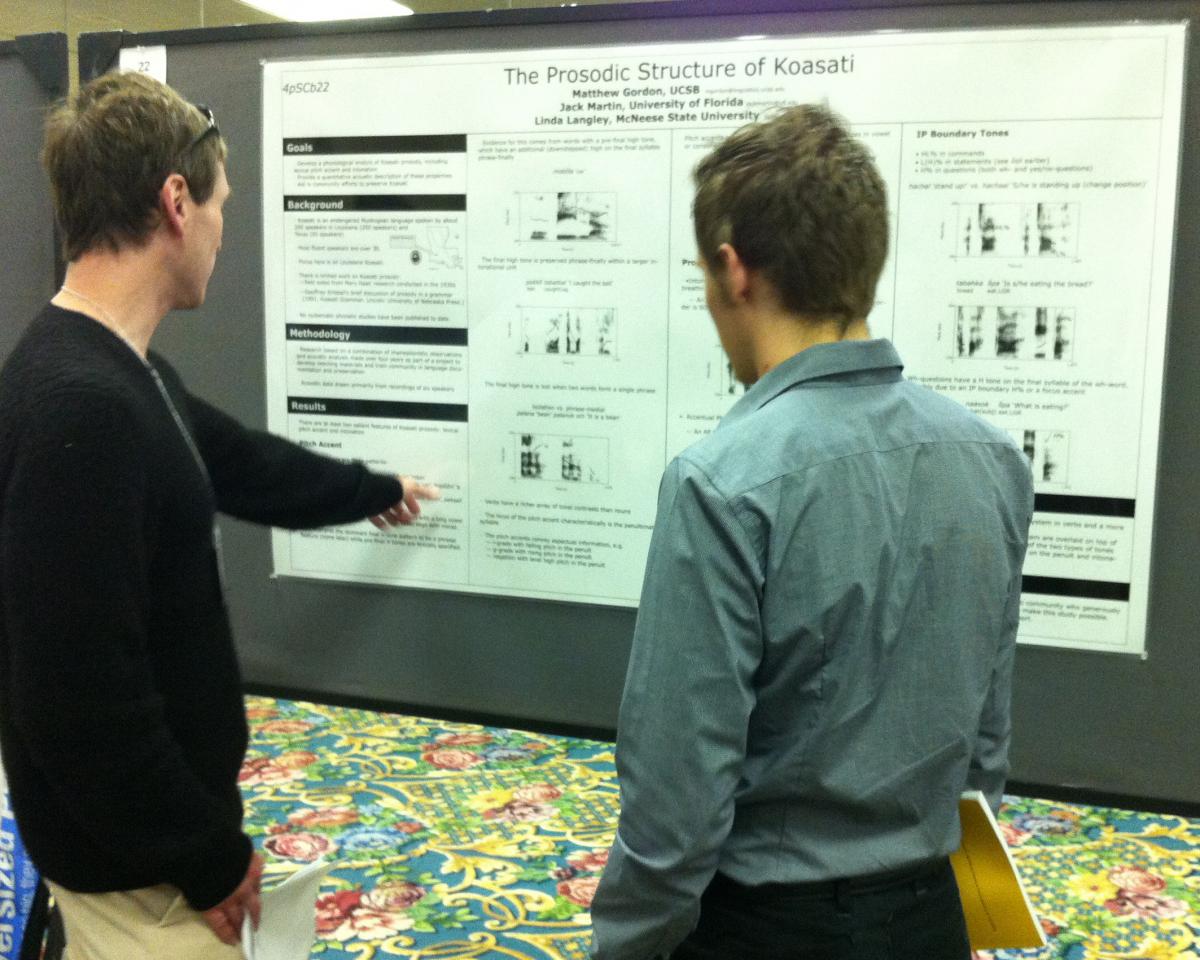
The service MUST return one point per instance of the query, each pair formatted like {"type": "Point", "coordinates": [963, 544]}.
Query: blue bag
{"type": "Point", "coordinates": [18, 882]}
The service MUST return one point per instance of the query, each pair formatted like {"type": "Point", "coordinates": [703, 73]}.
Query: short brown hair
{"type": "Point", "coordinates": [107, 151]}
{"type": "Point", "coordinates": [800, 200]}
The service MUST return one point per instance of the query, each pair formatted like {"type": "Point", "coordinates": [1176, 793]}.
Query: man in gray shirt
{"type": "Point", "coordinates": [823, 654]}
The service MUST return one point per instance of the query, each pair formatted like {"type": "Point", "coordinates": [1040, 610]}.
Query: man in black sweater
{"type": "Point", "coordinates": [122, 727]}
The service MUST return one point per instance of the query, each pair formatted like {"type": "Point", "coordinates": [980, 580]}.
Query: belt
{"type": "Point", "coordinates": [838, 888]}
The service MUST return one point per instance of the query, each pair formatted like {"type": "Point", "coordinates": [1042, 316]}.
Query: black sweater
{"type": "Point", "coordinates": [122, 726]}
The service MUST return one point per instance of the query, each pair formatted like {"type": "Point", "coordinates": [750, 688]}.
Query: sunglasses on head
{"type": "Point", "coordinates": [211, 129]}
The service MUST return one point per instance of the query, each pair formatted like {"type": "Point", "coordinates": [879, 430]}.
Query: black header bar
{"type": "Point", "coordinates": [386, 203]}
{"type": "Point", "coordinates": [325, 146]}
{"type": "Point", "coordinates": [1085, 506]}
{"type": "Point", "coordinates": [383, 409]}
{"type": "Point", "coordinates": [326, 333]}
{"type": "Point", "coordinates": [1085, 589]}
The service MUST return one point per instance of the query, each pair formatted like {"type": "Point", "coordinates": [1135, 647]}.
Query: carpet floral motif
{"type": "Point", "coordinates": [453, 840]}
{"type": "Point", "coordinates": [1107, 884]}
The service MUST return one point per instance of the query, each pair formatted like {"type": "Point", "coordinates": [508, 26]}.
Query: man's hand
{"type": "Point", "coordinates": [406, 509]}
{"type": "Point", "coordinates": [226, 917]}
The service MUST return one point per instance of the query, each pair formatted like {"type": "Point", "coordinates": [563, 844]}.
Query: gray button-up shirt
{"type": "Point", "coordinates": [823, 653]}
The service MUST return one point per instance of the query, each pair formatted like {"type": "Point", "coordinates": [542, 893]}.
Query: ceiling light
{"type": "Point", "coordinates": [311, 10]}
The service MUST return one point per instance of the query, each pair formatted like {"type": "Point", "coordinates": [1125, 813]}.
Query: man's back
{"type": "Point", "coordinates": [822, 659]}
{"type": "Point", "coordinates": [887, 528]}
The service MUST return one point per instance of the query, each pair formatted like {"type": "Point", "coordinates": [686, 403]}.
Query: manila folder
{"type": "Point", "coordinates": [999, 915]}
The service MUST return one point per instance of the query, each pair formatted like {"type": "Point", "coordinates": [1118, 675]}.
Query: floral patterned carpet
{"type": "Point", "coordinates": [452, 840]}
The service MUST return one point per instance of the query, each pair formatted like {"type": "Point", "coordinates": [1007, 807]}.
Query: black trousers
{"type": "Point", "coordinates": [912, 914]}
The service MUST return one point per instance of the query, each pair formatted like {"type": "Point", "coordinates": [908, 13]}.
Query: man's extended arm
{"type": "Point", "coordinates": [264, 478]}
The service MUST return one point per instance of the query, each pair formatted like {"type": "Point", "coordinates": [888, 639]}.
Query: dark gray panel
{"type": "Point", "coordinates": [26, 216]}
{"type": "Point", "coordinates": [1107, 723]}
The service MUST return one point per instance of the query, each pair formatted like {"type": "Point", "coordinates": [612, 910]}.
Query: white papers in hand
{"type": "Point", "coordinates": [289, 921]}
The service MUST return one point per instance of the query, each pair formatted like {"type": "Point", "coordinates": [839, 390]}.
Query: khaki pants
{"type": "Point", "coordinates": [154, 923]}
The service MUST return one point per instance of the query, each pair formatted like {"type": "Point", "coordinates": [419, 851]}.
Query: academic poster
{"type": "Point", "coordinates": [480, 270]}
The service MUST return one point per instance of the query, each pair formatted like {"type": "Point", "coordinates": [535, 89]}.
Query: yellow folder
{"type": "Point", "coordinates": [999, 915]}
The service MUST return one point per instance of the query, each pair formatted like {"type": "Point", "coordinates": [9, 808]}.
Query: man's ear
{"type": "Point", "coordinates": [735, 275]}
{"type": "Point", "coordinates": [171, 202]}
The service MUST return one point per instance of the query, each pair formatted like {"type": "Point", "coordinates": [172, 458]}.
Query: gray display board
{"type": "Point", "coordinates": [1102, 723]}
{"type": "Point", "coordinates": [33, 71]}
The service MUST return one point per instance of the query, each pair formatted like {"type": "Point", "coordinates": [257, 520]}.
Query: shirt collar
{"type": "Point", "coordinates": [821, 361]}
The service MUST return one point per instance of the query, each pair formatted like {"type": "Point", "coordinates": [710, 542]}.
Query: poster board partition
{"type": "Point", "coordinates": [33, 72]}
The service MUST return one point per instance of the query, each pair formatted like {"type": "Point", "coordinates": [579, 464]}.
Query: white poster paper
{"type": "Point", "coordinates": [480, 270]}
